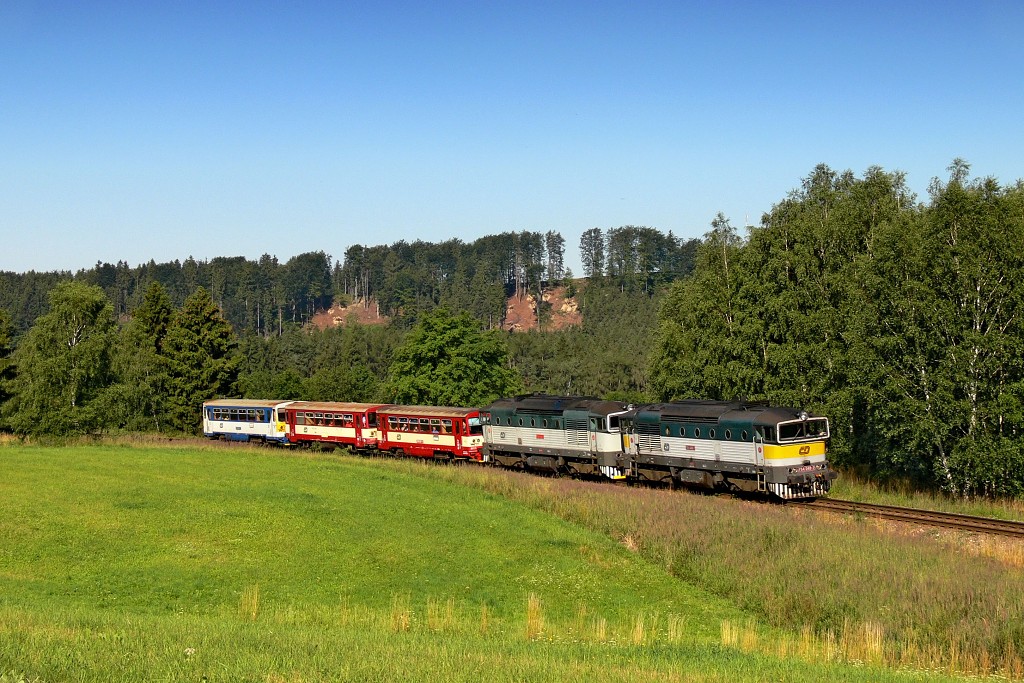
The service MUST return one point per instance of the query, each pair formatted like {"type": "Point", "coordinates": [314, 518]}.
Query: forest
{"type": "Point", "coordinates": [898, 318]}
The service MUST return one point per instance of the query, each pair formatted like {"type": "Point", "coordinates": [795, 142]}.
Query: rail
{"type": "Point", "coordinates": [948, 520]}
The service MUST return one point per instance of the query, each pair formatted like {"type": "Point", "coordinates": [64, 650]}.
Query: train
{"type": "Point", "coordinates": [737, 446]}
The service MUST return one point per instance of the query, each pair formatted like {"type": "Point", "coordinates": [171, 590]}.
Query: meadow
{"type": "Point", "coordinates": [855, 588]}
{"type": "Point", "coordinates": [129, 563]}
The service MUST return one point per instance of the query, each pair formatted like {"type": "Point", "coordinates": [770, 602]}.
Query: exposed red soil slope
{"type": "Point", "coordinates": [359, 311]}
{"type": "Point", "coordinates": [520, 313]}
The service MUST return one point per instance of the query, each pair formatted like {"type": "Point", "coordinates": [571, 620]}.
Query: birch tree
{"type": "Point", "coordinates": [63, 364]}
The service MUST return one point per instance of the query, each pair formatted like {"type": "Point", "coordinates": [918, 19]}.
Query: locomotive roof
{"type": "Point", "coordinates": [703, 410]}
{"type": "Point", "coordinates": [775, 414]}
{"type": "Point", "coordinates": [546, 403]}
{"type": "Point", "coordinates": [426, 411]}
{"type": "Point", "coordinates": [757, 412]}
{"type": "Point", "coordinates": [242, 403]}
{"type": "Point", "coordinates": [332, 406]}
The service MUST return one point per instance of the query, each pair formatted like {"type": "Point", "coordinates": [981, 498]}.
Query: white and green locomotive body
{"type": "Point", "coordinates": [568, 434]}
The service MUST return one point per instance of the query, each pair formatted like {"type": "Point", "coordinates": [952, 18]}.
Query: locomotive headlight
{"type": "Point", "coordinates": [803, 415]}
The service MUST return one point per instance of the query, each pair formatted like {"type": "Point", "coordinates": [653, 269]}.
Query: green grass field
{"type": "Point", "coordinates": [142, 563]}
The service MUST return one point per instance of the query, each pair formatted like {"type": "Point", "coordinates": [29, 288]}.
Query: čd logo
{"type": "Point", "coordinates": [804, 450]}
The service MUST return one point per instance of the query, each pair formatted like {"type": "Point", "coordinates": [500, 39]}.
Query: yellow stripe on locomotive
{"type": "Point", "coordinates": [796, 452]}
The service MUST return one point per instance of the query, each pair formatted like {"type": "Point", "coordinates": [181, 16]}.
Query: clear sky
{"type": "Point", "coordinates": [143, 130]}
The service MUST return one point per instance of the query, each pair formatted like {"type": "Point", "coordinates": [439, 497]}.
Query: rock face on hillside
{"type": "Point", "coordinates": [520, 313]}
{"type": "Point", "coordinates": [360, 311]}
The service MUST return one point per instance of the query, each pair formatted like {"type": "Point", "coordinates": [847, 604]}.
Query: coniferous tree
{"type": "Point", "coordinates": [555, 246]}
{"type": "Point", "coordinates": [155, 314]}
{"type": "Point", "coordinates": [139, 400]}
{"type": "Point", "coordinates": [201, 353]}
{"type": "Point", "coordinates": [6, 349]}
{"type": "Point", "coordinates": [592, 252]}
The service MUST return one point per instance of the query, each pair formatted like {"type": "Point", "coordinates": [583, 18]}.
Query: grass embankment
{"type": "Point", "coordinates": [851, 487]}
{"type": "Point", "coordinates": [855, 588]}
{"type": "Point", "coordinates": [139, 563]}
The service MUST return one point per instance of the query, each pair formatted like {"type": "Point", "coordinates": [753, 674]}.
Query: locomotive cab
{"type": "Point", "coordinates": [791, 449]}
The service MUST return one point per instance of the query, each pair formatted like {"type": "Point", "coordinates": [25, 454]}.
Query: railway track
{"type": "Point", "coordinates": [947, 520]}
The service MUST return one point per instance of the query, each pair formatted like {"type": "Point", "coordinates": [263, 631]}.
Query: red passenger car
{"type": "Point", "coordinates": [430, 431]}
{"type": "Point", "coordinates": [353, 425]}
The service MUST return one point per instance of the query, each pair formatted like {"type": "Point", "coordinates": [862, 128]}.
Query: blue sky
{"type": "Point", "coordinates": [142, 130]}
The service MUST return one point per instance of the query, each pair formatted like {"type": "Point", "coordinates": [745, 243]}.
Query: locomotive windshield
{"type": "Point", "coordinates": [798, 430]}
{"type": "Point", "coordinates": [474, 426]}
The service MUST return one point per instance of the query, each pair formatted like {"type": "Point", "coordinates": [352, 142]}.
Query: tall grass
{"type": "Point", "coordinates": [364, 644]}
{"type": "Point", "coordinates": [249, 604]}
{"type": "Point", "coordinates": [850, 588]}
{"type": "Point", "coordinates": [534, 618]}
{"type": "Point", "coordinates": [854, 487]}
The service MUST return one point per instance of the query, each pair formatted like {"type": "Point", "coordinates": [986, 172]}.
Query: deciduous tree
{"type": "Point", "coordinates": [64, 363]}
{"type": "Point", "coordinates": [449, 360]}
{"type": "Point", "coordinates": [139, 399]}
{"type": "Point", "coordinates": [700, 350]}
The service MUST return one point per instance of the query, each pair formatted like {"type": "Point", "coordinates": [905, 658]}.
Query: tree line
{"type": "Point", "coordinates": [77, 371]}
{"type": "Point", "coordinates": [259, 297]}
{"type": "Point", "coordinates": [636, 257]}
{"type": "Point", "coordinates": [265, 296]}
{"type": "Point", "coordinates": [901, 321]}
{"type": "Point", "coordinates": [403, 280]}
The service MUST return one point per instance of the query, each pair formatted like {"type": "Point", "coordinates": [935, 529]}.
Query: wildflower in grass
{"type": "Point", "coordinates": [189, 651]}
